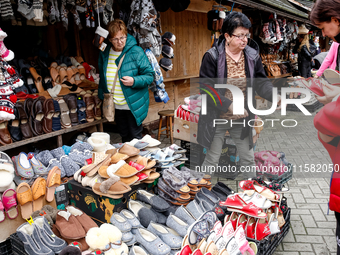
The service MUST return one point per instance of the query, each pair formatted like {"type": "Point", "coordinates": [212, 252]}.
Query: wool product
{"type": "Point", "coordinates": [38, 10]}
{"type": "Point", "coordinates": [102, 135]}
{"type": "Point", "coordinates": [98, 144]}
{"type": "Point", "coordinates": [6, 10]}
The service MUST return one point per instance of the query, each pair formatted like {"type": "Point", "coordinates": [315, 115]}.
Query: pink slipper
{"type": "Point", "coordinates": [9, 199]}
{"type": "Point", "coordinates": [2, 213]}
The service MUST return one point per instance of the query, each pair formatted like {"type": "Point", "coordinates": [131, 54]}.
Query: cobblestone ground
{"type": "Point", "coordinates": [312, 229]}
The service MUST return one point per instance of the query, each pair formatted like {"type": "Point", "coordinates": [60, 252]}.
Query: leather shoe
{"type": "Point", "coordinates": [28, 106]}
{"type": "Point", "coordinates": [22, 116]}
{"type": "Point", "coordinates": [71, 102]}
{"type": "Point", "coordinates": [5, 136]}
{"type": "Point", "coordinates": [37, 115]}
{"type": "Point", "coordinates": [13, 127]}
{"type": "Point", "coordinates": [48, 113]}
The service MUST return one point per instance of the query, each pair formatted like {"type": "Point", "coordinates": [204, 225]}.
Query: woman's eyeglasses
{"type": "Point", "coordinates": [115, 40]}
{"type": "Point", "coordinates": [241, 37]}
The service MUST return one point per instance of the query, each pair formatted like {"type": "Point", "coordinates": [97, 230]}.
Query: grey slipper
{"type": "Point", "coordinates": [177, 224]}
{"type": "Point", "coordinates": [137, 250]}
{"type": "Point", "coordinates": [144, 153]}
{"type": "Point", "coordinates": [118, 145]}
{"type": "Point", "coordinates": [33, 244]}
{"type": "Point", "coordinates": [194, 208]}
{"type": "Point", "coordinates": [152, 243]}
{"type": "Point", "coordinates": [44, 157]}
{"type": "Point", "coordinates": [127, 237]}
{"type": "Point", "coordinates": [172, 209]}
{"type": "Point", "coordinates": [80, 146]}
{"type": "Point", "coordinates": [141, 145]}
{"type": "Point", "coordinates": [120, 222]}
{"type": "Point", "coordinates": [184, 215]}
{"type": "Point", "coordinates": [132, 241]}
{"type": "Point", "coordinates": [173, 241]}
{"type": "Point", "coordinates": [53, 242]}
{"type": "Point", "coordinates": [156, 202]}
{"type": "Point", "coordinates": [54, 162]}
{"type": "Point", "coordinates": [142, 213]}
{"type": "Point", "coordinates": [161, 218]}
{"type": "Point", "coordinates": [173, 179]}
{"type": "Point", "coordinates": [131, 218]}
{"type": "Point", "coordinates": [166, 189]}
{"type": "Point", "coordinates": [58, 153]}
{"type": "Point", "coordinates": [23, 166]}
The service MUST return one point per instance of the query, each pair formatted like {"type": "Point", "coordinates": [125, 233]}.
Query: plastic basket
{"type": "Point", "coordinates": [6, 247]}
{"type": "Point", "coordinates": [281, 179]}
{"type": "Point", "coordinates": [17, 245]}
{"type": "Point", "coordinates": [269, 244]}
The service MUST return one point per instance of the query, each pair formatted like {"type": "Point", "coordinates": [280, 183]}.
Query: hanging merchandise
{"type": "Point", "coordinates": [142, 25]}
{"type": "Point", "coordinates": [168, 38]}
{"type": "Point", "coordinates": [100, 35]}
{"type": "Point", "coordinates": [5, 54]}
{"type": "Point", "coordinates": [89, 14]}
{"type": "Point", "coordinates": [6, 10]}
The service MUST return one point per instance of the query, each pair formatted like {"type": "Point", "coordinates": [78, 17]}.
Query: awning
{"type": "Point", "coordinates": [280, 7]}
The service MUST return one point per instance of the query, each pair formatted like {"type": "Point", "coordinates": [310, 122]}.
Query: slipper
{"type": "Point", "coordinates": [161, 185]}
{"type": "Point", "coordinates": [53, 181]}
{"type": "Point", "coordinates": [160, 156]}
{"type": "Point", "coordinates": [9, 199]}
{"type": "Point", "coordinates": [256, 198]}
{"type": "Point", "coordinates": [130, 180]}
{"type": "Point", "coordinates": [177, 149]}
{"type": "Point", "coordinates": [147, 163]}
{"type": "Point", "coordinates": [129, 150]}
{"type": "Point", "coordinates": [2, 212]}
{"type": "Point", "coordinates": [164, 165]}
{"type": "Point", "coordinates": [121, 169]}
{"type": "Point", "coordinates": [25, 199]}
{"type": "Point", "coordinates": [198, 231]}
{"type": "Point", "coordinates": [99, 161]}
{"type": "Point", "coordinates": [6, 174]}
{"type": "Point", "coordinates": [144, 153]}
{"type": "Point", "coordinates": [138, 144]}
{"type": "Point", "coordinates": [264, 191]}
{"type": "Point", "coordinates": [38, 190]}
{"type": "Point", "coordinates": [175, 181]}
{"type": "Point", "coordinates": [116, 157]}
{"type": "Point", "coordinates": [332, 76]}
{"type": "Point", "coordinates": [151, 141]}
{"type": "Point", "coordinates": [141, 177]}
{"type": "Point", "coordinates": [170, 152]}
{"type": "Point", "coordinates": [112, 187]}
{"type": "Point", "coordinates": [64, 113]}
{"type": "Point", "coordinates": [235, 203]}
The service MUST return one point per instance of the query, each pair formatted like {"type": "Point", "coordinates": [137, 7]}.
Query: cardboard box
{"type": "Point", "coordinates": [98, 207]}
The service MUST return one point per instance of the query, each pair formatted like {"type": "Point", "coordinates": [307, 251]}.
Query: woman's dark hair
{"type": "Point", "coordinates": [324, 10]}
{"type": "Point", "coordinates": [235, 20]}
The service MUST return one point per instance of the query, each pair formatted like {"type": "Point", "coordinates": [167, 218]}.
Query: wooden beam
{"type": "Point", "coordinates": [205, 6]}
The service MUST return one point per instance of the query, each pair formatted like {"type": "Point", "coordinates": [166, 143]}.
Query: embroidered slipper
{"type": "Point", "coordinates": [53, 181]}
{"type": "Point", "coordinates": [264, 191]}
{"type": "Point", "coordinates": [112, 187]}
{"type": "Point", "coordinates": [332, 76]}
{"type": "Point", "coordinates": [25, 199]}
{"type": "Point", "coordinates": [9, 199]}
{"type": "Point", "coordinates": [39, 191]}
{"type": "Point", "coordinates": [198, 231]}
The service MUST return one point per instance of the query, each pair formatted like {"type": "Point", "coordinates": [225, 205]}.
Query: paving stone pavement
{"type": "Point", "coordinates": [312, 229]}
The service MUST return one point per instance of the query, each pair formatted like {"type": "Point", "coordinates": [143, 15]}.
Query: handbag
{"type": "Point", "coordinates": [108, 102]}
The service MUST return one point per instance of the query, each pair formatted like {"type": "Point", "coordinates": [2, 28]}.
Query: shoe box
{"type": "Point", "coordinates": [100, 208]}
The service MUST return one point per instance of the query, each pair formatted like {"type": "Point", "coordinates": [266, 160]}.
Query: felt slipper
{"type": "Point", "coordinates": [112, 187]}
{"type": "Point", "coordinates": [25, 199]}
{"type": "Point", "coordinates": [175, 181]}
{"type": "Point", "coordinates": [129, 150]}
{"type": "Point", "coordinates": [9, 199]}
{"type": "Point", "coordinates": [198, 231]}
{"type": "Point", "coordinates": [157, 203]}
{"type": "Point", "coordinates": [121, 169]}
{"type": "Point", "coordinates": [53, 181]}
{"type": "Point", "coordinates": [130, 180]}
{"type": "Point", "coordinates": [38, 190]}
{"type": "Point", "coordinates": [151, 141]}
{"type": "Point", "coordinates": [172, 193]}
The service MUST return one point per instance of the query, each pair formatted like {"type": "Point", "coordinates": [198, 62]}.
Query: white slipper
{"type": "Point", "coordinates": [11, 186]}
{"type": "Point", "coordinates": [6, 174]}
{"type": "Point", "coordinates": [151, 141]}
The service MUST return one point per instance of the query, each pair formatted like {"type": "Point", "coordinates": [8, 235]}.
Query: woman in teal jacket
{"type": "Point", "coordinates": [131, 95]}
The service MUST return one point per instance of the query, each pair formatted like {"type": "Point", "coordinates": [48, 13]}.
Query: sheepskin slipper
{"type": "Point", "coordinates": [98, 239]}
{"type": "Point", "coordinates": [10, 186]}
{"type": "Point", "coordinates": [86, 222]}
{"type": "Point", "coordinates": [112, 187]}
{"type": "Point", "coordinates": [42, 213]}
{"type": "Point", "coordinates": [175, 180]}
{"type": "Point", "coordinates": [115, 237]}
{"type": "Point", "coordinates": [6, 175]}
{"type": "Point", "coordinates": [102, 135]}
{"type": "Point", "coordinates": [51, 211]}
{"type": "Point", "coordinates": [98, 144]}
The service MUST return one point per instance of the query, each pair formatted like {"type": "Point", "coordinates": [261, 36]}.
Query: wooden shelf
{"type": "Point", "coordinates": [180, 78]}
{"type": "Point", "coordinates": [58, 133]}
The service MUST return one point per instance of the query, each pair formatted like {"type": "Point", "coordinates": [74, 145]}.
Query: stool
{"type": "Point", "coordinates": [169, 114]}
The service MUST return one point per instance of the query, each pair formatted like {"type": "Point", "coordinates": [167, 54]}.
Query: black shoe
{"type": "Point", "coordinates": [224, 188]}
{"type": "Point", "coordinates": [13, 127]}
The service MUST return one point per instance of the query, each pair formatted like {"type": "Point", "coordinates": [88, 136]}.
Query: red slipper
{"type": "Point", "coordinates": [137, 166]}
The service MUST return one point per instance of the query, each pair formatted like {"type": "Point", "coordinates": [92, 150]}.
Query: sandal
{"type": "Point", "coordinates": [147, 163]}
{"type": "Point", "coordinates": [235, 203]}
{"type": "Point", "coordinates": [175, 181]}
{"type": "Point", "coordinates": [9, 200]}
{"type": "Point", "coordinates": [25, 199]}
{"type": "Point", "coordinates": [39, 190]}
{"type": "Point", "coordinates": [177, 149]}
{"type": "Point", "coordinates": [160, 156]}
{"type": "Point", "coordinates": [64, 114]}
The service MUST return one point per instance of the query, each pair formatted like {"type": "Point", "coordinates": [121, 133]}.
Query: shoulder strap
{"type": "Point", "coordinates": [116, 76]}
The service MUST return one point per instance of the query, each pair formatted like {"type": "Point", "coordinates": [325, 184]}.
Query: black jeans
{"type": "Point", "coordinates": [127, 125]}
{"type": "Point", "coordinates": [337, 232]}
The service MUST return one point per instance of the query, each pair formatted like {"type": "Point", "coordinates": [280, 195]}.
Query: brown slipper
{"type": "Point", "coordinates": [39, 191]}
{"type": "Point", "coordinates": [82, 217]}
{"type": "Point", "coordinates": [25, 199]}
{"type": "Point", "coordinates": [130, 180]}
{"type": "Point", "coordinates": [129, 150]}
{"type": "Point", "coordinates": [62, 74]}
{"type": "Point", "coordinates": [112, 187]}
{"type": "Point", "coordinates": [117, 157]}
{"type": "Point", "coordinates": [68, 226]}
{"type": "Point", "coordinates": [53, 181]}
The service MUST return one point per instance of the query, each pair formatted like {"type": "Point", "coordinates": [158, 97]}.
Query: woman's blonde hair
{"type": "Point", "coordinates": [305, 41]}
{"type": "Point", "coordinates": [115, 26]}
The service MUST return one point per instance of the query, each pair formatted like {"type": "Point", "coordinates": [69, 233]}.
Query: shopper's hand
{"type": "Point", "coordinates": [278, 107]}
{"type": "Point", "coordinates": [127, 81]}
{"type": "Point", "coordinates": [231, 109]}
{"type": "Point", "coordinates": [330, 92]}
